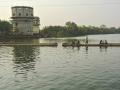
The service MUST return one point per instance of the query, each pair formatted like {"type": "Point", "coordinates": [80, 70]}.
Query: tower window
{"type": "Point", "coordinates": [19, 14]}
{"type": "Point", "coordinates": [19, 8]}
{"type": "Point", "coordinates": [26, 14]}
{"type": "Point", "coordinates": [16, 24]}
{"type": "Point", "coordinates": [13, 14]}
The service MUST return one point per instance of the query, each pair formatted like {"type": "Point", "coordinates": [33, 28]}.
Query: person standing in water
{"type": "Point", "coordinates": [73, 43]}
{"type": "Point", "coordinates": [78, 43]}
{"type": "Point", "coordinates": [106, 42]}
{"type": "Point", "coordinates": [86, 41]}
{"type": "Point", "coordinates": [101, 42]}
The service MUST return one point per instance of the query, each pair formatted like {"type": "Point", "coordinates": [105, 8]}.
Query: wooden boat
{"type": "Point", "coordinates": [99, 45]}
{"type": "Point", "coordinates": [39, 44]}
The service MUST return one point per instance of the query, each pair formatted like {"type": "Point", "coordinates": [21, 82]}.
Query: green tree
{"type": "Point", "coordinates": [5, 27]}
{"type": "Point", "coordinates": [71, 26]}
{"type": "Point", "coordinates": [72, 29]}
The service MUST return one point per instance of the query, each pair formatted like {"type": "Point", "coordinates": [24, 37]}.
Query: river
{"type": "Point", "coordinates": [60, 68]}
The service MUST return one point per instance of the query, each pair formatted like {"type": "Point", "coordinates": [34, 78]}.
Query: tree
{"type": "Point", "coordinates": [5, 27]}
{"type": "Point", "coordinates": [71, 29]}
{"type": "Point", "coordinates": [71, 26]}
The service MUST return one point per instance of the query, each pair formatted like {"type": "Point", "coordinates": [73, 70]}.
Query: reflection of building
{"type": "Point", "coordinates": [23, 20]}
{"type": "Point", "coordinates": [24, 60]}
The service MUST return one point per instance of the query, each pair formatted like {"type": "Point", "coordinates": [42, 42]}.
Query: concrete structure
{"type": "Point", "coordinates": [36, 23]}
{"type": "Point", "coordinates": [23, 20]}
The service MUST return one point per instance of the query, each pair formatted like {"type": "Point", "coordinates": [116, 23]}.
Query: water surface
{"type": "Point", "coordinates": [59, 68]}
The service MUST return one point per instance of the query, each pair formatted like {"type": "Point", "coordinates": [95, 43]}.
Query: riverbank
{"type": "Point", "coordinates": [2, 37]}
{"type": "Point", "coordinates": [71, 29]}
{"type": "Point", "coordinates": [39, 44]}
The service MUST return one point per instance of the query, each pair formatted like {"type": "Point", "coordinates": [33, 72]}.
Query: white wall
{"type": "Point", "coordinates": [35, 29]}
{"type": "Point", "coordinates": [24, 27]}
{"type": "Point", "coordinates": [22, 11]}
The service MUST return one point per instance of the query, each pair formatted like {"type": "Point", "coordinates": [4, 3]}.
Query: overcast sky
{"type": "Point", "coordinates": [57, 12]}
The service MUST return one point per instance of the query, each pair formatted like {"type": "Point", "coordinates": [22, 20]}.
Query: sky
{"type": "Point", "coordinates": [57, 12]}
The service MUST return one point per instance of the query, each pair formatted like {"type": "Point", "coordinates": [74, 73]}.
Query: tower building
{"type": "Point", "coordinates": [23, 21]}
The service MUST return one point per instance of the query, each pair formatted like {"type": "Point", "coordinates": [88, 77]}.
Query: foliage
{"type": "Point", "coordinates": [72, 29]}
{"type": "Point", "coordinates": [5, 27]}
{"type": "Point", "coordinates": [69, 30]}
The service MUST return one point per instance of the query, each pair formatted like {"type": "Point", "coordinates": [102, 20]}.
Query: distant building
{"type": "Point", "coordinates": [23, 21]}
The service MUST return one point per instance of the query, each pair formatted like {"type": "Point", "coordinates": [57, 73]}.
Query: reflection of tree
{"type": "Point", "coordinates": [24, 59]}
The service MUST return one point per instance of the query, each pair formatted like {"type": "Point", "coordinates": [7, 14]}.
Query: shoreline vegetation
{"type": "Point", "coordinates": [70, 29]}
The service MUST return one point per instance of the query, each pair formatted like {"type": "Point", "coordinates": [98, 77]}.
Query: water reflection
{"type": "Point", "coordinates": [103, 49]}
{"type": "Point", "coordinates": [28, 41]}
{"type": "Point", "coordinates": [24, 60]}
{"type": "Point", "coordinates": [86, 49]}
{"type": "Point", "coordinates": [78, 48]}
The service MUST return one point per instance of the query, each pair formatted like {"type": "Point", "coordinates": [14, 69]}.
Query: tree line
{"type": "Point", "coordinates": [72, 29]}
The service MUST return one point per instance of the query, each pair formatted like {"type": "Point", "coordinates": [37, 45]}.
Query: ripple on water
{"type": "Point", "coordinates": [47, 68]}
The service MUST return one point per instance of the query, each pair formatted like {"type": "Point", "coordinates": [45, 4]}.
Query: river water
{"type": "Point", "coordinates": [60, 68]}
